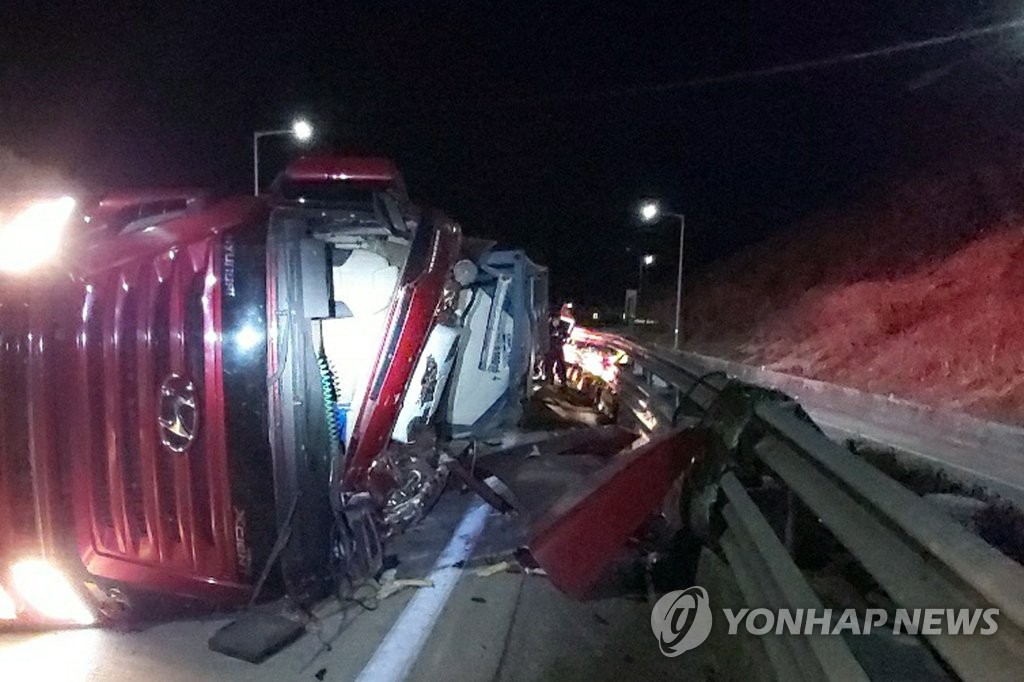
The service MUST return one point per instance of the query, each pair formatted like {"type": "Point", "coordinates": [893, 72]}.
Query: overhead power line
{"type": "Point", "coordinates": [823, 62]}
{"type": "Point", "coordinates": [778, 70]}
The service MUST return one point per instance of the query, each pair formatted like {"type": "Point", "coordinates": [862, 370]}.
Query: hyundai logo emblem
{"type": "Point", "coordinates": [178, 419]}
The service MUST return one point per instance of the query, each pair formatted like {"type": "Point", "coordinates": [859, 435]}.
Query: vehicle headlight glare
{"type": "Point", "coordinates": [8, 610]}
{"type": "Point", "coordinates": [33, 235]}
{"type": "Point", "coordinates": [48, 592]}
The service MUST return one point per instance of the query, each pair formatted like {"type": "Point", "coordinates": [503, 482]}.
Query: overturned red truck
{"type": "Point", "coordinates": [199, 395]}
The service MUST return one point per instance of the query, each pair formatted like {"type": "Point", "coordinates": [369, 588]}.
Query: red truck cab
{"type": "Point", "coordinates": [203, 397]}
{"type": "Point", "coordinates": [115, 472]}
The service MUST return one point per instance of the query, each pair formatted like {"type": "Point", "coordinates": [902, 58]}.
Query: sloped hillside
{"type": "Point", "coordinates": [918, 290]}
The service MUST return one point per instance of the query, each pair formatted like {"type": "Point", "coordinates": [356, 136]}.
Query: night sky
{"type": "Point", "coordinates": [538, 124]}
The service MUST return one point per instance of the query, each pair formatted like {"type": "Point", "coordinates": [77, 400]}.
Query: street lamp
{"type": "Point", "coordinates": [650, 211]}
{"type": "Point", "coordinates": [301, 130]}
{"type": "Point", "coordinates": [646, 261]}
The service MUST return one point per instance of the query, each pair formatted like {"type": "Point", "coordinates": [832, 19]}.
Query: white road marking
{"type": "Point", "coordinates": [397, 652]}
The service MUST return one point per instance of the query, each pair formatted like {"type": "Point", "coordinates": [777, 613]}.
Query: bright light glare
{"type": "Point", "coordinates": [33, 236]}
{"type": "Point", "coordinates": [302, 130]}
{"type": "Point", "coordinates": [48, 592]}
{"type": "Point", "coordinates": [649, 211]}
{"type": "Point", "coordinates": [649, 259]}
{"type": "Point", "coordinates": [248, 338]}
{"type": "Point", "coordinates": [8, 611]}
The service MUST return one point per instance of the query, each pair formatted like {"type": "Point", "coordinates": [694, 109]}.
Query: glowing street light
{"type": "Point", "coordinates": [301, 130]}
{"type": "Point", "coordinates": [650, 211]}
{"type": "Point", "coordinates": [648, 259]}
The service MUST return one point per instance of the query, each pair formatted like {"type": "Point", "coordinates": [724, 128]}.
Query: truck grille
{"type": "Point", "coordinates": [146, 328]}
{"type": "Point", "coordinates": [29, 437]}
{"type": "Point", "coordinates": [17, 507]}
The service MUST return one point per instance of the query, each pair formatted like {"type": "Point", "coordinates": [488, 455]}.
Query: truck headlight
{"type": "Point", "coordinates": [8, 611]}
{"type": "Point", "coordinates": [46, 590]}
{"type": "Point", "coordinates": [32, 236]}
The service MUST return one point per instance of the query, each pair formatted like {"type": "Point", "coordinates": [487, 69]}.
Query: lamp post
{"type": "Point", "coordinates": [301, 130]}
{"type": "Point", "coordinates": [650, 211]}
{"type": "Point", "coordinates": [646, 261]}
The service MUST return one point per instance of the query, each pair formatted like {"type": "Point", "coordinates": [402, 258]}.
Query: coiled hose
{"type": "Point", "coordinates": [340, 410]}
{"type": "Point", "coordinates": [330, 399]}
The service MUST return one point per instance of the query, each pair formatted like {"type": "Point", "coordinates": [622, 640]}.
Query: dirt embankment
{"type": "Point", "coordinates": [917, 290]}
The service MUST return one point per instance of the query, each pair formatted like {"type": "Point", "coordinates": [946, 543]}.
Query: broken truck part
{"type": "Point", "coordinates": [585, 530]}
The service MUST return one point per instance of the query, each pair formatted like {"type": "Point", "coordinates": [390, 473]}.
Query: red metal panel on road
{"type": "Point", "coordinates": [584, 531]}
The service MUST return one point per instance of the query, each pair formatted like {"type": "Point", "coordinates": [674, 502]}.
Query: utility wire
{"type": "Point", "coordinates": [782, 69]}
{"type": "Point", "coordinates": [823, 62]}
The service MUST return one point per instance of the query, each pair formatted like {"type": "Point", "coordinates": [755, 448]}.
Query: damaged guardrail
{"type": "Point", "coordinates": [977, 451]}
{"type": "Point", "coordinates": [917, 554]}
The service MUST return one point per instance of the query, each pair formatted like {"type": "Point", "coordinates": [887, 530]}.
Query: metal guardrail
{"type": "Point", "coordinates": [975, 451]}
{"type": "Point", "coordinates": [919, 555]}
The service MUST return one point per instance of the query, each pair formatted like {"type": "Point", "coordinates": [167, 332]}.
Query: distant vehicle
{"type": "Point", "coordinates": [594, 368]}
{"type": "Point", "coordinates": [196, 390]}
